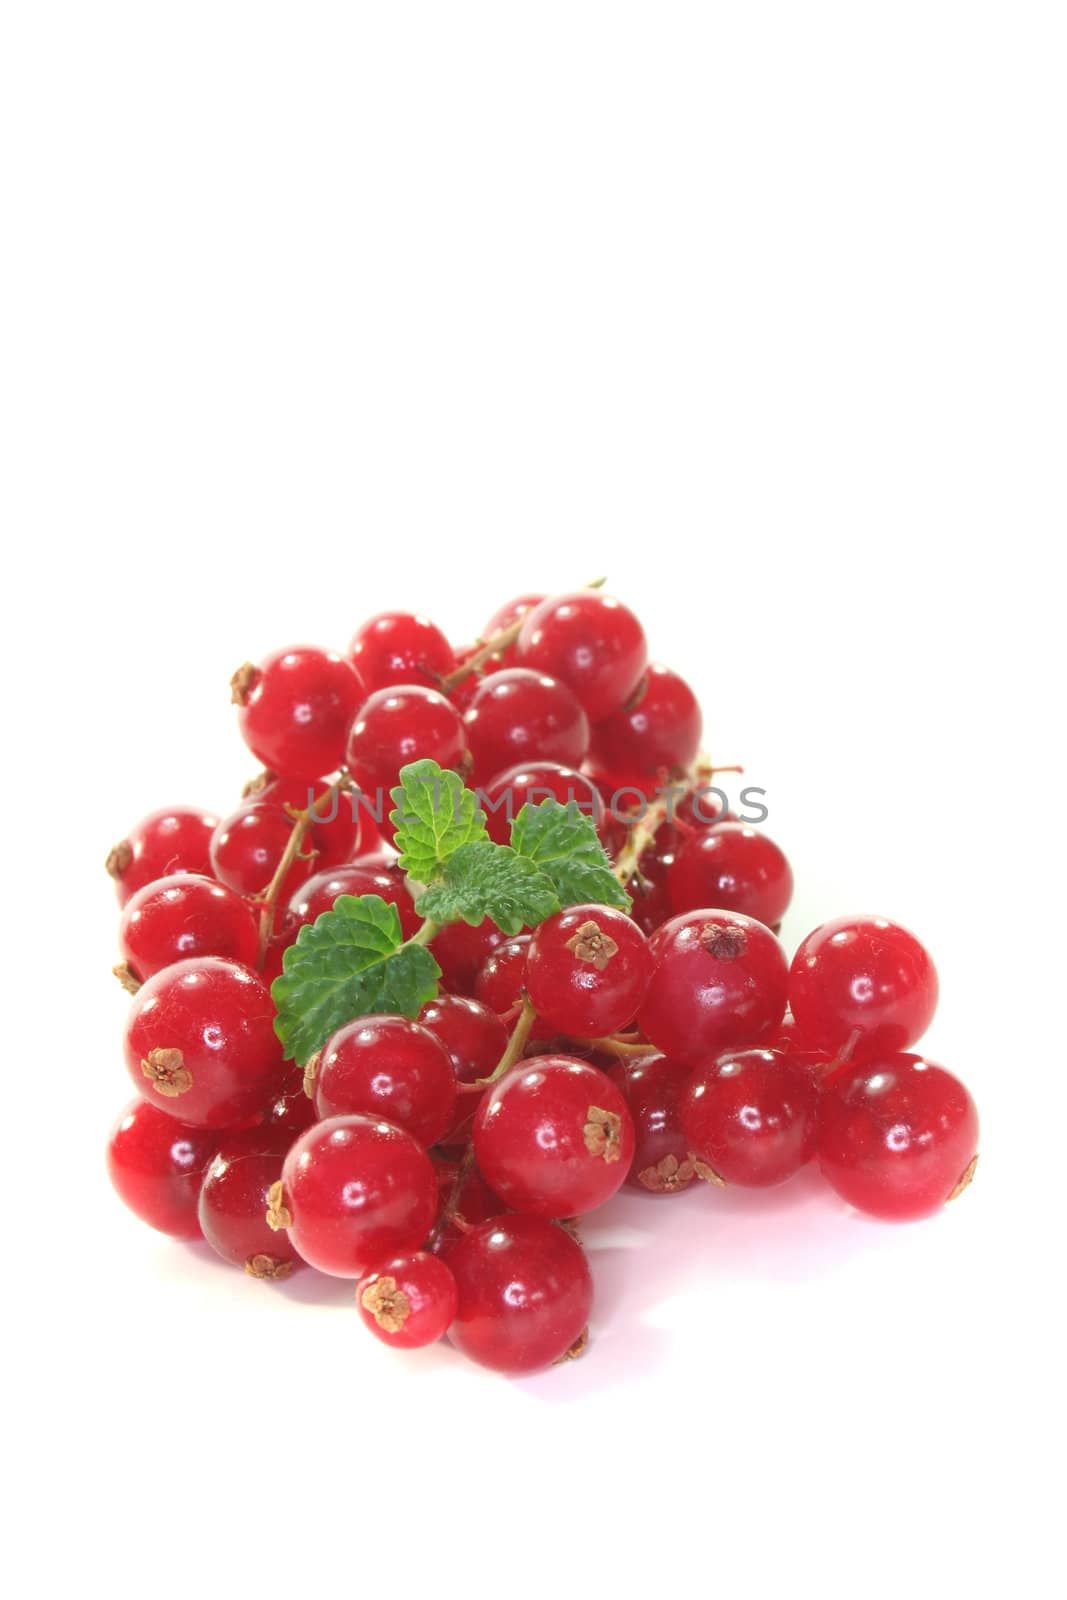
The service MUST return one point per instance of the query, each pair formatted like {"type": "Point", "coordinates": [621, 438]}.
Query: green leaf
{"type": "Point", "coordinates": [563, 842]}
{"type": "Point", "coordinates": [489, 880]}
{"type": "Point", "coordinates": [435, 815]}
{"type": "Point", "coordinates": [349, 962]}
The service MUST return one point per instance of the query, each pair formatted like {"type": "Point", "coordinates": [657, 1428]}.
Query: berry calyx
{"type": "Point", "coordinates": [409, 1301]}
{"type": "Point", "coordinates": [898, 1135]}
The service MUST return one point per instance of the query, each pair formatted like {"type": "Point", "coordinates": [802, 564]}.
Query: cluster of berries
{"type": "Point", "coordinates": [442, 1135]}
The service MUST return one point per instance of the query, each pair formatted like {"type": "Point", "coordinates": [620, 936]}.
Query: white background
{"type": "Point", "coordinates": [759, 309]}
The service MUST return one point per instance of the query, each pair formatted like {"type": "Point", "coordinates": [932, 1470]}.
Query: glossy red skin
{"type": "Point", "coordinates": [475, 1039]}
{"type": "Point", "coordinates": [400, 647]}
{"type": "Point", "coordinates": [517, 716]}
{"type": "Point", "coordinates": [233, 1200]}
{"type": "Point", "coordinates": [589, 641]}
{"type": "Point", "coordinates": [173, 839]}
{"type": "Point", "coordinates": [650, 900]}
{"type": "Point", "coordinates": [296, 716]}
{"type": "Point", "coordinates": [477, 1202]}
{"type": "Point", "coordinates": [525, 1293]}
{"type": "Point", "coordinates": [462, 693]}
{"type": "Point", "coordinates": [290, 1111]}
{"type": "Point", "coordinates": [220, 1017]}
{"type": "Point", "coordinates": [751, 1116]}
{"type": "Point", "coordinates": [504, 617]}
{"type": "Point", "coordinates": [284, 936]}
{"type": "Point", "coordinates": [699, 1004]}
{"type": "Point", "coordinates": [735, 866]}
{"type": "Point", "coordinates": [461, 951]}
{"type": "Point", "coordinates": [361, 877]}
{"type": "Point", "coordinates": [432, 1299]}
{"type": "Point", "coordinates": [530, 784]}
{"type": "Point", "coordinates": [657, 730]}
{"type": "Point", "coordinates": [896, 1135]}
{"type": "Point", "coordinates": [573, 995]}
{"type": "Point", "coordinates": [247, 847]}
{"type": "Point", "coordinates": [391, 1069]}
{"type": "Point", "coordinates": [501, 977]}
{"type": "Point", "coordinates": [398, 725]}
{"type": "Point", "coordinates": [156, 1164]}
{"type": "Point", "coordinates": [530, 1141]}
{"type": "Point", "coordinates": [359, 1191]}
{"type": "Point", "coordinates": [335, 841]}
{"type": "Point", "coordinates": [183, 916]}
{"type": "Point", "coordinates": [653, 1087]}
{"type": "Point", "coordinates": [862, 975]}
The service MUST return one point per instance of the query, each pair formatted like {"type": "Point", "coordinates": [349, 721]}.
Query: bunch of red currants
{"type": "Point", "coordinates": [440, 1150]}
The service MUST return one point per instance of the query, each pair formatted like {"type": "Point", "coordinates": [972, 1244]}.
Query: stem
{"type": "Point", "coordinates": [492, 646]}
{"type": "Point", "coordinates": [612, 1045]}
{"type": "Point", "coordinates": [429, 930]}
{"type": "Point", "coordinates": [641, 836]}
{"type": "Point", "coordinates": [451, 1205]}
{"type": "Point", "coordinates": [516, 1044]}
{"type": "Point", "coordinates": [292, 849]}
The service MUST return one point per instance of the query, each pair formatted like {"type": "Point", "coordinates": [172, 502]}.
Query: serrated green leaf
{"type": "Point", "coordinates": [349, 962]}
{"type": "Point", "coordinates": [563, 842]}
{"type": "Point", "coordinates": [489, 880]}
{"type": "Point", "coordinates": [434, 817]}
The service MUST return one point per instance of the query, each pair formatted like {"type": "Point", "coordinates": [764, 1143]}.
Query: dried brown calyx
{"type": "Point", "coordinates": [722, 940]}
{"type": "Point", "coordinates": [242, 683]}
{"type": "Point", "coordinates": [964, 1180]}
{"type": "Point", "coordinates": [590, 943]}
{"type": "Point", "coordinates": [127, 977]}
{"type": "Point", "coordinates": [262, 1266]}
{"type": "Point", "coordinates": [603, 1133]}
{"type": "Point", "coordinates": [256, 785]}
{"type": "Point", "coordinates": [119, 858]}
{"type": "Point", "coordinates": [707, 1174]}
{"type": "Point", "coordinates": [168, 1072]}
{"type": "Point", "coordinates": [387, 1304]}
{"type": "Point", "coordinates": [311, 1072]}
{"type": "Point", "coordinates": [668, 1175]}
{"type": "Point", "coordinates": [578, 1348]}
{"type": "Point", "coordinates": [278, 1214]}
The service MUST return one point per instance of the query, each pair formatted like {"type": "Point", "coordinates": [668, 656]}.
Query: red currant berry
{"type": "Point", "coordinates": [587, 969]}
{"type": "Point", "coordinates": [505, 618]}
{"type": "Point", "coordinates": [399, 725]}
{"type": "Point", "coordinates": [156, 1163]}
{"type": "Point", "coordinates": [733, 866]}
{"type": "Point", "coordinates": [653, 1089]}
{"type": "Point", "coordinates": [554, 1137]}
{"type": "Point", "coordinates": [461, 951]}
{"type": "Point", "coordinates": [750, 1117]}
{"type": "Point", "coordinates": [290, 1111]}
{"type": "Point", "coordinates": [399, 647]}
{"type": "Point", "coordinates": [718, 983]}
{"type": "Point", "coordinates": [475, 1039]}
{"type": "Point", "coordinates": [247, 848]}
{"type": "Point", "coordinates": [505, 795]}
{"type": "Point", "coordinates": [898, 1136]}
{"type": "Point", "coordinates": [389, 1068]}
{"type": "Point", "coordinates": [462, 692]}
{"type": "Point", "coordinates": [525, 1293]}
{"type": "Point", "coordinates": [658, 729]}
{"type": "Point", "coordinates": [184, 916]}
{"type": "Point", "coordinates": [475, 1203]}
{"type": "Point", "coordinates": [276, 948]}
{"type": "Point", "coordinates": [866, 976]}
{"type": "Point", "coordinates": [233, 1204]}
{"type": "Point", "coordinates": [409, 1301]}
{"type": "Point", "coordinates": [590, 642]}
{"type": "Point", "coordinates": [296, 708]}
{"type": "Point", "coordinates": [501, 978]}
{"type": "Point", "coordinates": [336, 831]}
{"type": "Point", "coordinates": [176, 839]}
{"type": "Point", "coordinates": [366, 876]}
{"type": "Point", "coordinates": [517, 716]}
{"type": "Point", "coordinates": [651, 905]}
{"type": "Point", "coordinates": [354, 1192]}
{"type": "Point", "coordinates": [200, 1042]}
